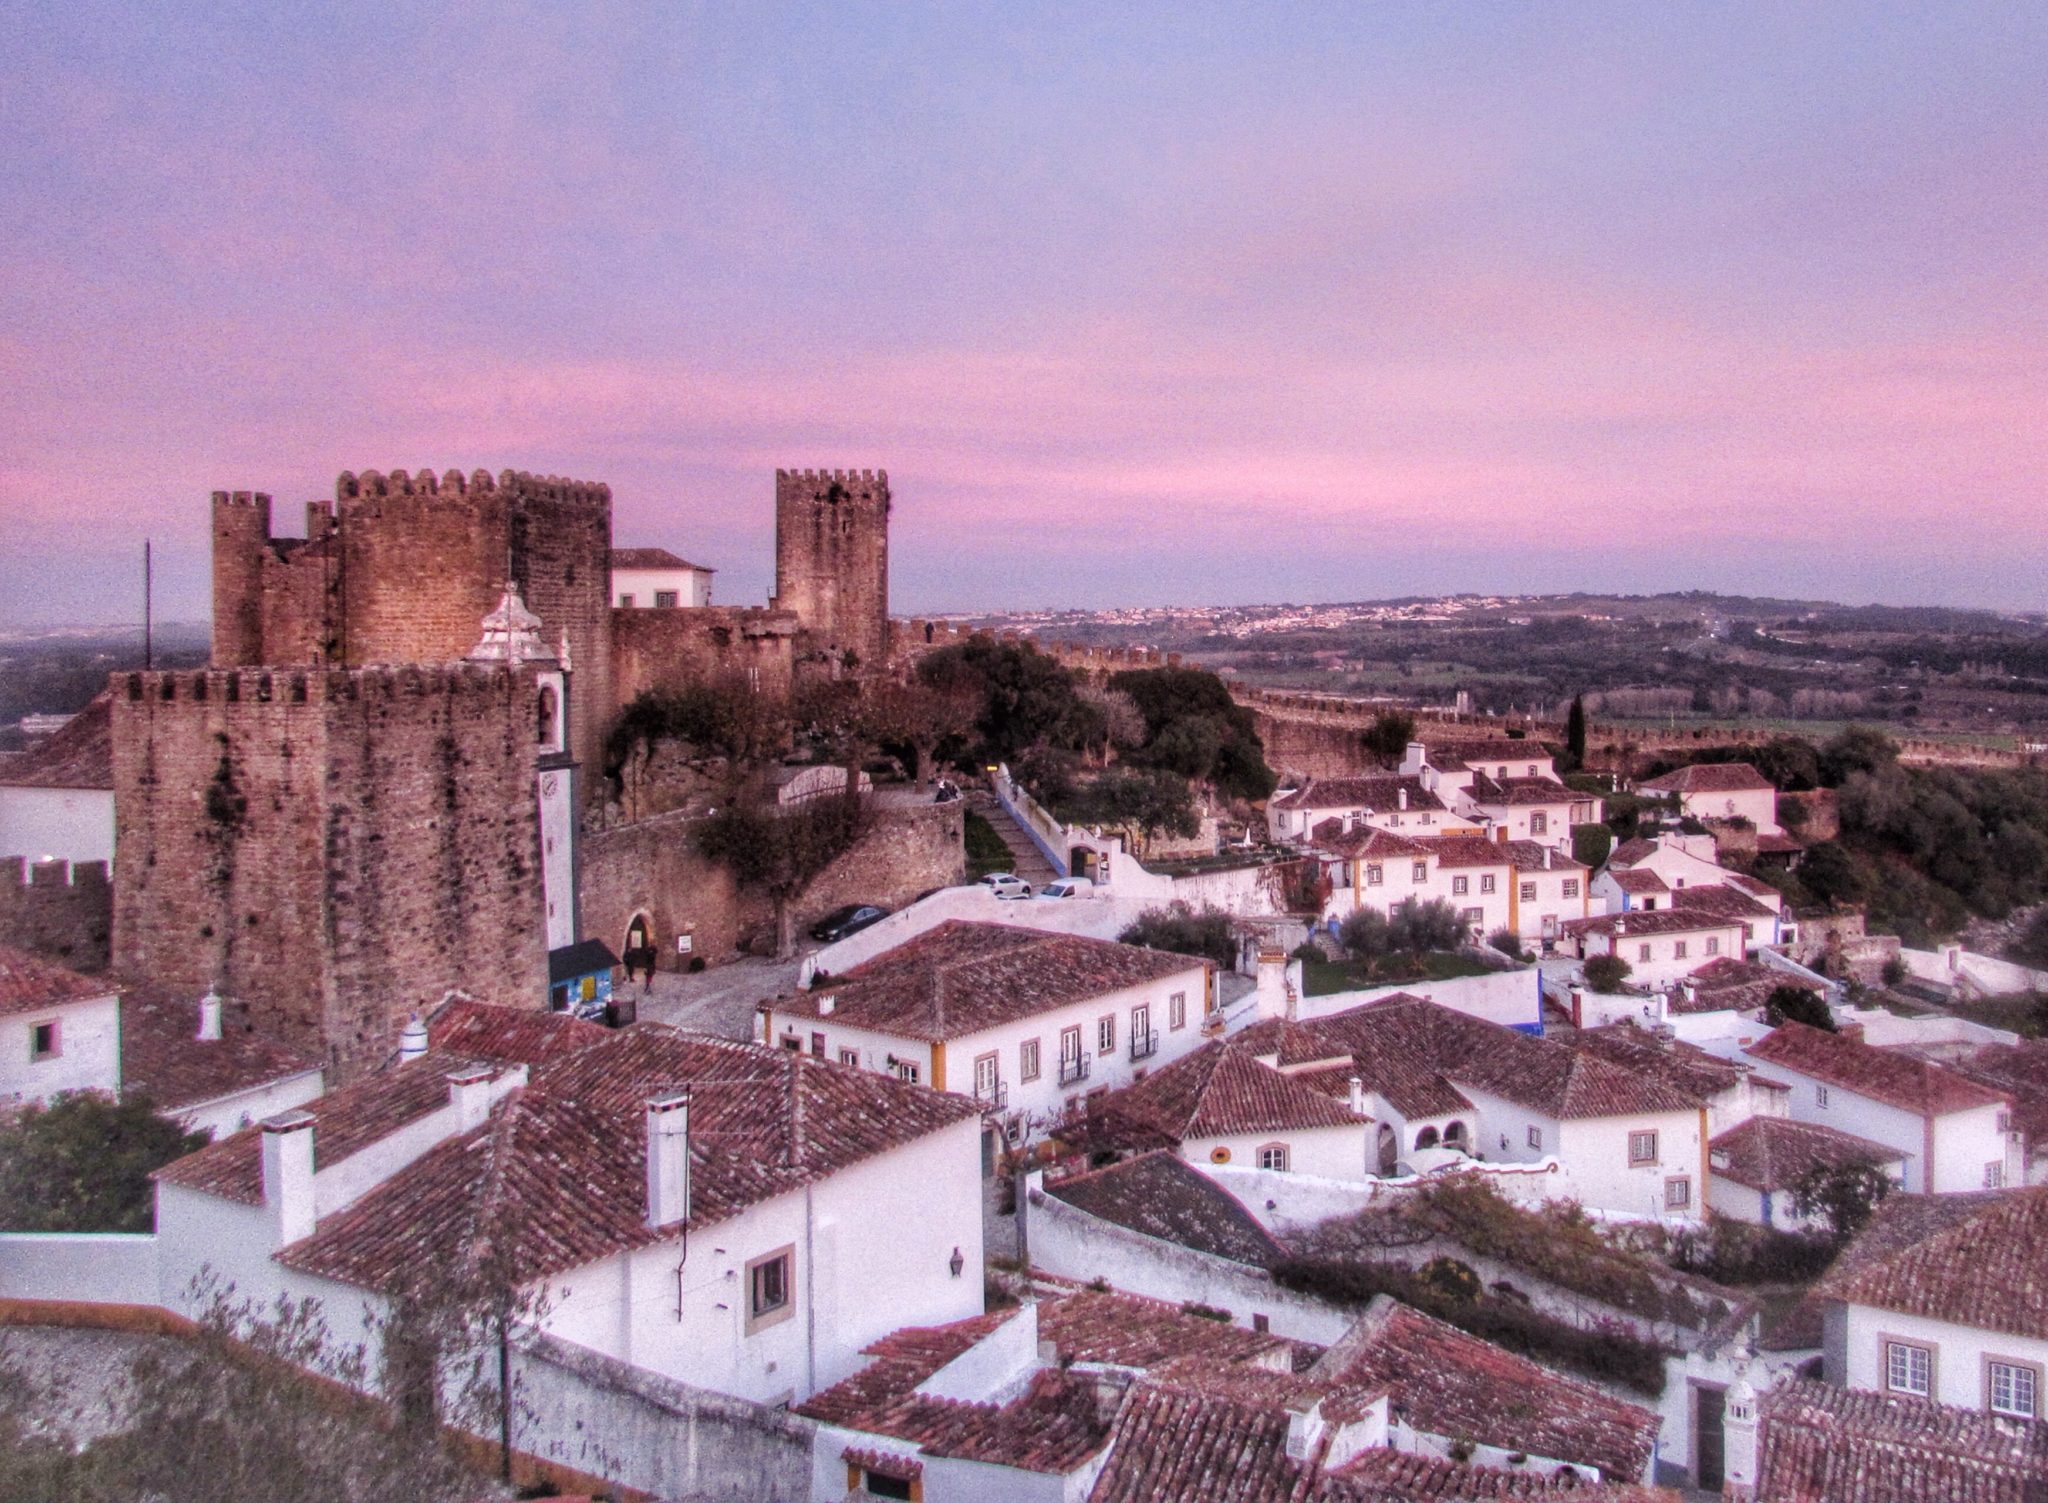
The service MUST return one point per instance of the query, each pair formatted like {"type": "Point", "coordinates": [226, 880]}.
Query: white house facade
{"type": "Point", "coordinates": [59, 1031]}
{"type": "Point", "coordinates": [656, 579]}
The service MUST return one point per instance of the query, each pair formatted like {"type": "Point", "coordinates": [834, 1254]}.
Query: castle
{"type": "Point", "coordinates": [361, 807]}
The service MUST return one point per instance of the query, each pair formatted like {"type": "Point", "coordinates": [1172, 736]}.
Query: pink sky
{"type": "Point", "coordinates": [1197, 305]}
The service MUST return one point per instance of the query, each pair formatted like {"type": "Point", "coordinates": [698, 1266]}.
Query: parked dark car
{"type": "Point", "coordinates": [851, 919]}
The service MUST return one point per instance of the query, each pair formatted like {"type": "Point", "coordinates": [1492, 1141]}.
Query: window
{"type": "Point", "coordinates": [2012, 1388]}
{"type": "Point", "coordinates": [769, 1287]}
{"type": "Point", "coordinates": [1820, 1096]}
{"type": "Point", "coordinates": [793, 1043]}
{"type": "Point", "coordinates": [665, 600]}
{"type": "Point", "coordinates": [2005, 1121]}
{"type": "Point", "coordinates": [1713, 944]}
{"type": "Point", "coordinates": [1375, 874]}
{"type": "Point", "coordinates": [43, 1041]}
{"type": "Point", "coordinates": [906, 1071]}
{"type": "Point", "coordinates": [1177, 1010]}
{"type": "Point", "coordinates": [1994, 1175]}
{"type": "Point", "coordinates": [882, 1485]}
{"type": "Point", "coordinates": [1070, 1043]}
{"type": "Point", "coordinates": [1678, 949]}
{"type": "Point", "coordinates": [1486, 883]}
{"type": "Point", "coordinates": [1909, 1368]}
{"type": "Point", "coordinates": [1429, 819]}
{"type": "Point", "coordinates": [1678, 1194]}
{"type": "Point", "coordinates": [1027, 1060]}
{"type": "Point", "coordinates": [1643, 952]}
{"type": "Point", "coordinates": [1535, 1137]}
{"type": "Point", "coordinates": [1460, 886]}
{"type": "Point", "coordinates": [1420, 871]}
{"type": "Point", "coordinates": [1539, 823]}
{"type": "Point", "coordinates": [987, 1077]}
{"type": "Point", "coordinates": [1473, 915]}
{"type": "Point", "coordinates": [1571, 887]}
{"type": "Point", "coordinates": [818, 1045]}
{"type": "Point", "coordinates": [1273, 1156]}
{"type": "Point", "coordinates": [1105, 1034]}
{"type": "Point", "coordinates": [1528, 892]}
{"type": "Point", "coordinates": [626, 602]}
{"type": "Point", "coordinates": [1642, 1148]}
{"type": "Point", "coordinates": [850, 1057]}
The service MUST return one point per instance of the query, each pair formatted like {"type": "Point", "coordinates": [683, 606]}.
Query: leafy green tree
{"type": "Point", "coordinates": [1575, 735]}
{"type": "Point", "coordinates": [1420, 927]}
{"type": "Point", "coordinates": [1366, 934]}
{"type": "Point", "coordinates": [1607, 973]}
{"type": "Point", "coordinates": [82, 1163]}
{"type": "Point", "coordinates": [1842, 1195]}
{"type": "Point", "coordinates": [1205, 934]}
{"type": "Point", "coordinates": [1856, 749]}
{"type": "Point", "coordinates": [1025, 697]}
{"type": "Point", "coordinates": [1195, 728]}
{"type": "Point", "coordinates": [2031, 948]}
{"type": "Point", "coordinates": [1388, 736]}
{"type": "Point", "coordinates": [782, 851]}
{"type": "Point", "coordinates": [1831, 874]}
{"type": "Point", "coordinates": [1591, 845]}
{"type": "Point", "coordinates": [1150, 799]}
{"type": "Point", "coordinates": [1796, 1004]}
{"type": "Point", "coordinates": [1507, 942]}
{"type": "Point", "coordinates": [1792, 812]}
{"type": "Point", "coordinates": [1789, 762]}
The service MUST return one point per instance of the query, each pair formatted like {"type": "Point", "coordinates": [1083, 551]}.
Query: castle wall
{"type": "Point", "coordinates": [62, 910]}
{"type": "Point", "coordinates": [832, 559]}
{"type": "Point", "coordinates": [669, 648]}
{"type": "Point", "coordinates": [334, 848]}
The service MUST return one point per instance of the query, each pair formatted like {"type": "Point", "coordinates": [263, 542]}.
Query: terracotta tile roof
{"type": "Point", "coordinates": [1383, 1475]}
{"type": "Point", "coordinates": [1886, 1075]}
{"type": "Point", "coordinates": [1902, 1222]}
{"type": "Point", "coordinates": [79, 754]}
{"type": "Point", "coordinates": [1365, 843]}
{"type": "Point", "coordinates": [1768, 843]}
{"type": "Point", "coordinates": [1629, 852]}
{"type": "Point", "coordinates": [1523, 792]}
{"type": "Point", "coordinates": [1505, 750]}
{"type": "Point", "coordinates": [1683, 1066]}
{"type": "Point", "coordinates": [1710, 777]}
{"type": "Point", "coordinates": [1160, 1196]}
{"type": "Point", "coordinates": [1630, 880]}
{"type": "Point", "coordinates": [1455, 1384]}
{"type": "Point", "coordinates": [961, 978]}
{"type": "Point", "coordinates": [163, 1057]}
{"type": "Point", "coordinates": [1380, 794]}
{"type": "Point", "coordinates": [1731, 985]}
{"type": "Point", "coordinates": [1722, 900]}
{"type": "Point", "coordinates": [1465, 850]}
{"type": "Point", "coordinates": [561, 1166]}
{"type": "Point", "coordinates": [652, 558]}
{"type": "Point", "coordinates": [1776, 1153]}
{"type": "Point", "coordinates": [1125, 1330]}
{"type": "Point", "coordinates": [2020, 1070]}
{"type": "Point", "coordinates": [346, 1121]}
{"type": "Point", "coordinates": [509, 1035]}
{"type": "Point", "coordinates": [1983, 1269]}
{"type": "Point", "coordinates": [1817, 1443]}
{"type": "Point", "coordinates": [1534, 856]}
{"type": "Point", "coordinates": [1414, 1052]}
{"type": "Point", "coordinates": [1289, 1045]}
{"type": "Point", "coordinates": [29, 983]}
{"type": "Point", "coordinates": [1657, 921]}
{"type": "Point", "coordinates": [1179, 1444]}
{"type": "Point", "coordinates": [1222, 1089]}
{"type": "Point", "coordinates": [1053, 1426]}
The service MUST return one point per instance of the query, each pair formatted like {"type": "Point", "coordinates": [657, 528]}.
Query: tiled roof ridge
{"type": "Point", "coordinates": [1898, 1079]}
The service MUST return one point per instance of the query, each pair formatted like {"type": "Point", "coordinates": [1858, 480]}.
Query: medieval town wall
{"type": "Point", "coordinates": [666, 649]}
{"type": "Point", "coordinates": [58, 909]}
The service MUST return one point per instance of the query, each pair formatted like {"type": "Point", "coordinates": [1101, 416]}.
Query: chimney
{"type": "Point", "coordinates": [1401, 796]}
{"type": "Point", "coordinates": [412, 1040]}
{"type": "Point", "coordinates": [288, 1175]}
{"type": "Point", "coordinates": [1357, 1095]}
{"type": "Point", "coordinates": [1739, 1465]}
{"type": "Point", "coordinates": [668, 1158]}
{"type": "Point", "coordinates": [1620, 924]}
{"type": "Point", "coordinates": [1272, 983]}
{"type": "Point", "coordinates": [209, 1017]}
{"type": "Point", "coordinates": [469, 1092]}
{"type": "Point", "coordinates": [1304, 1430]}
{"type": "Point", "coordinates": [825, 1005]}
{"type": "Point", "coordinates": [1548, 852]}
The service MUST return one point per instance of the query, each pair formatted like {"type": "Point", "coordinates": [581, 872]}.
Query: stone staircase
{"type": "Point", "coordinates": [1028, 861]}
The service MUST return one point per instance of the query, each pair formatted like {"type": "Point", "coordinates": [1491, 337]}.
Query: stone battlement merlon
{"type": "Point", "coordinates": [372, 484]}
{"type": "Point", "coordinates": [17, 871]}
{"type": "Point", "coordinates": [835, 477]}
{"type": "Point", "coordinates": [306, 685]}
{"type": "Point", "coordinates": [241, 498]}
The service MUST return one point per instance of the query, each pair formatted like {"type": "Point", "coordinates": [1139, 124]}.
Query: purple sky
{"type": "Point", "coordinates": [1260, 302]}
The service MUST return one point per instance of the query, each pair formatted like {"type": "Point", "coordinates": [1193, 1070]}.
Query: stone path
{"type": "Point", "coordinates": [1027, 860]}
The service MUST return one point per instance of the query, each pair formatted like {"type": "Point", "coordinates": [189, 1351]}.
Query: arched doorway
{"type": "Point", "coordinates": [639, 952]}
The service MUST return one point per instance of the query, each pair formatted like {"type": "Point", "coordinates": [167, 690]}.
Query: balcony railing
{"type": "Point", "coordinates": [1144, 1045]}
{"type": "Point", "coordinates": [993, 1098]}
{"type": "Point", "coordinates": [1073, 1069]}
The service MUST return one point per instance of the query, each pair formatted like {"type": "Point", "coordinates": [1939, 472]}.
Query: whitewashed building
{"type": "Point", "coordinates": [1387, 801]}
{"type": "Point", "coordinates": [57, 797]}
{"type": "Point", "coordinates": [1661, 947]}
{"type": "Point", "coordinates": [655, 579]}
{"type": "Point", "coordinates": [1026, 1022]}
{"type": "Point", "coordinates": [1722, 790]}
{"type": "Point", "coordinates": [1757, 1168]}
{"type": "Point", "coordinates": [59, 1031]}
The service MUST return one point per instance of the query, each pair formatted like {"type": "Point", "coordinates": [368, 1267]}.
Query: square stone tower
{"type": "Point", "coordinates": [832, 562]}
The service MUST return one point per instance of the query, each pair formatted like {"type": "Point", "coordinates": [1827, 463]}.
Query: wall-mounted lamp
{"type": "Point", "coordinates": [956, 1262]}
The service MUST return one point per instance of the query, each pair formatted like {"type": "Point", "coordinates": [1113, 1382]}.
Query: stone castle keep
{"type": "Point", "coordinates": [346, 818]}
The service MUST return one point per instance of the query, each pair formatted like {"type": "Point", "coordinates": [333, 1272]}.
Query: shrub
{"type": "Point", "coordinates": [1606, 973]}
{"type": "Point", "coordinates": [1844, 1196]}
{"type": "Point", "coordinates": [1729, 1251]}
{"type": "Point", "coordinates": [1894, 970]}
{"type": "Point", "coordinates": [1418, 927]}
{"type": "Point", "coordinates": [1507, 942]}
{"type": "Point", "coordinates": [1366, 935]}
{"type": "Point", "coordinates": [1591, 845]}
{"type": "Point", "coordinates": [1795, 1004]}
{"type": "Point", "coordinates": [1206, 934]}
{"type": "Point", "coordinates": [82, 1164]}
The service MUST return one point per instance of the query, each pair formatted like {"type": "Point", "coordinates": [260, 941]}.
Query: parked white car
{"type": "Point", "coordinates": [1068, 887]}
{"type": "Point", "coordinates": [1006, 885]}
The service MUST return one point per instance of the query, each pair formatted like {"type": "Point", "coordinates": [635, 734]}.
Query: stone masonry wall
{"type": "Point", "coordinates": [664, 649]}
{"type": "Point", "coordinates": [832, 559]}
{"type": "Point", "coordinates": [62, 911]}
{"type": "Point", "coordinates": [334, 848]}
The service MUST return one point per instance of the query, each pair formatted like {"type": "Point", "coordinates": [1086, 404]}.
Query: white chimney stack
{"type": "Point", "coordinates": [1401, 795]}
{"type": "Point", "coordinates": [668, 1158]}
{"type": "Point", "coordinates": [209, 1017]}
{"type": "Point", "coordinates": [288, 1175]}
{"type": "Point", "coordinates": [825, 1005]}
{"type": "Point", "coordinates": [1548, 852]}
{"type": "Point", "coordinates": [412, 1040]}
{"type": "Point", "coordinates": [1304, 1429]}
{"type": "Point", "coordinates": [1357, 1095]}
{"type": "Point", "coordinates": [469, 1092]}
{"type": "Point", "coordinates": [1621, 923]}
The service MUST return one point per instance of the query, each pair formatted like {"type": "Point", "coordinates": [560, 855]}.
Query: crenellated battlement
{"type": "Point", "coordinates": [249, 499]}
{"type": "Point", "coordinates": [18, 871]}
{"type": "Point", "coordinates": [373, 484]}
{"type": "Point", "coordinates": [308, 685]}
{"type": "Point", "coordinates": [834, 477]}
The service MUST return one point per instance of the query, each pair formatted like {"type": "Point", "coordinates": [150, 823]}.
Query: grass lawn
{"type": "Point", "coordinates": [1322, 978]}
{"type": "Point", "coordinates": [985, 849]}
{"type": "Point", "coordinates": [2020, 1013]}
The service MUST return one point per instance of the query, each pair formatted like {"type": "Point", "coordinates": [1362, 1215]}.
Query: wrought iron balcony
{"type": "Point", "coordinates": [1144, 1045]}
{"type": "Point", "coordinates": [993, 1098]}
{"type": "Point", "coordinates": [1073, 1069]}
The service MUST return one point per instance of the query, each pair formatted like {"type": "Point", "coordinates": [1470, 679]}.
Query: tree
{"type": "Point", "coordinates": [1606, 973]}
{"type": "Point", "coordinates": [1842, 1195]}
{"type": "Point", "coordinates": [1507, 942]}
{"type": "Point", "coordinates": [2031, 948]}
{"type": "Point", "coordinates": [1856, 749]}
{"type": "Point", "coordinates": [1195, 728]}
{"type": "Point", "coordinates": [1388, 737]}
{"type": "Point", "coordinates": [82, 1163]}
{"type": "Point", "coordinates": [724, 716]}
{"type": "Point", "coordinates": [1831, 874]}
{"type": "Point", "coordinates": [1148, 799]}
{"type": "Point", "coordinates": [1796, 1004]}
{"type": "Point", "coordinates": [1575, 735]}
{"type": "Point", "coordinates": [1792, 812]}
{"type": "Point", "coordinates": [1366, 934]}
{"type": "Point", "coordinates": [1419, 927]}
{"type": "Point", "coordinates": [1206, 934]}
{"type": "Point", "coordinates": [1024, 697]}
{"type": "Point", "coordinates": [1591, 845]}
{"type": "Point", "coordinates": [780, 852]}
{"type": "Point", "coordinates": [916, 715]}
{"type": "Point", "coordinates": [1123, 723]}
